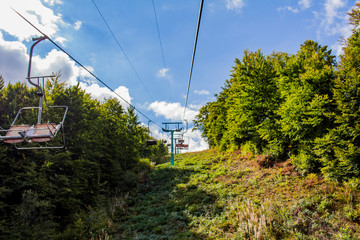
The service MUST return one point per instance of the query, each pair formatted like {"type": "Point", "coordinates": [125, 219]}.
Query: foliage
{"type": "Point", "coordinates": [218, 195]}
{"type": "Point", "coordinates": [44, 193]}
{"type": "Point", "coordinates": [275, 105]}
{"type": "Point", "coordinates": [339, 150]}
{"type": "Point", "coordinates": [303, 106]}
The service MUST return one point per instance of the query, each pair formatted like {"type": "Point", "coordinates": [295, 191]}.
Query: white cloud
{"type": "Point", "coordinates": [57, 61]}
{"type": "Point", "coordinates": [304, 4]}
{"type": "Point", "coordinates": [14, 57]}
{"type": "Point", "coordinates": [102, 93]}
{"type": "Point", "coordinates": [60, 40]}
{"type": "Point", "coordinates": [53, 2]}
{"type": "Point", "coordinates": [331, 10]}
{"type": "Point", "coordinates": [34, 10]}
{"type": "Point", "coordinates": [202, 92]}
{"type": "Point", "coordinates": [235, 4]}
{"type": "Point", "coordinates": [13, 60]}
{"type": "Point", "coordinates": [333, 21]}
{"type": "Point", "coordinates": [172, 111]}
{"type": "Point", "coordinates": [157, 133]}
{"type": "Point", "coordinates": [162, 73]}
{"type": "Point", "coordinates": [77, 25]}
{"type": "Point", "coordinates": [288, 8]}
{"type": "Point", "coordinates": [195, 141]}
{"type": "Point", "coordinates": [192, 138]}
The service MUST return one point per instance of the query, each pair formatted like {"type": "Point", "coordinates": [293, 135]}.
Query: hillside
{"type": "Point", "coordinates": [213, 195]}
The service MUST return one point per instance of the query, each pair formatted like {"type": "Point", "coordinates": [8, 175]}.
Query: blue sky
{"type": "Point", "coordinates": [228, 28]}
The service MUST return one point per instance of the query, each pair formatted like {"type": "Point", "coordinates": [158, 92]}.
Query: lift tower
{"type": "Point", "coordinates": [172, 127]}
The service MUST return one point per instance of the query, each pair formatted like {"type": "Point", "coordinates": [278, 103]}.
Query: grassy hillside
{"type": "Point", "coordinates": [213, 195]}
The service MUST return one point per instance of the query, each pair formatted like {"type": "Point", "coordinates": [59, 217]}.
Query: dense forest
{"type": "Point", "coordinates": [48, 194]}
{"type": "Point", "coordinates": [303, 106]}
{"type": "Point", "coordinates": [285, 162]}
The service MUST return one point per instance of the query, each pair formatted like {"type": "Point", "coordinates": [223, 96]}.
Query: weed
{"type": "Point", "coordinates": [265, 161]}
{"type": "Point", "coordinates": [212, 195]}
{"type": "Point", "coordinates": [249, 220]}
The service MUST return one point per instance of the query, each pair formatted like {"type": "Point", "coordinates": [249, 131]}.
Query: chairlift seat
{"type": "Point", "coordinates": [182, 146]}
{"type": "Point", "coordinates": [12, 135]}
{"type": "Point", "coordinates": [151, 142]}
{"type": "Point", "coordinates": [40, 133]}
{"type": "Point", "coordinates": [45, 132]}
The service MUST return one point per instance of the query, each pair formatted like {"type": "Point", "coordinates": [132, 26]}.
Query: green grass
{"type": "Point", "coordinates": [214, 195]}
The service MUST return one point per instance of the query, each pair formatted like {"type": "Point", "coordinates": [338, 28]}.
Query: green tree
{"type": "Point", "coordinates": [211, 121]}
{"type": "Point", "coordinates": [305, 85]}
{"type": "Point", "coordinates": [340, 149]}
{"type": "Point", "coordinates": [252, 99]}
{"type": "Point", "coordinates": [43, 192]}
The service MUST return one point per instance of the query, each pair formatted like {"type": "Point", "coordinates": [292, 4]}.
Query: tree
{"type": "Point", "coordinates": [339, 150]}
{"type": "Point", "coordinates": [211, 121]}
{"type": "Point", "coordinates": [43, 192]}
{"type": "Point", "coordinates": [305, 84]}
{"type": "Point", "coordinates": [252, 99]}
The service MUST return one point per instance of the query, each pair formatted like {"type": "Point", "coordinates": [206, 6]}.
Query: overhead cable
{"type": "Point", "coordinates": [193, 56]}
{"type": "Point", "coordinates": [162, 50]}
{"type": "Point", "coordinates": [121, 48]}
{"type": "Point", "coordinates": [86, 69]}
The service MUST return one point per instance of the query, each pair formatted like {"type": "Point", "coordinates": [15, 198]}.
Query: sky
{"type": "Point", "coordinates": [143, 49]}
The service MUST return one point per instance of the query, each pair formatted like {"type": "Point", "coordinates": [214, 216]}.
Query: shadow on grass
{"type": "Point", "coordinates": [163, 207]}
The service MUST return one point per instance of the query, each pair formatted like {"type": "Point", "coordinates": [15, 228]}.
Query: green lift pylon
{"type": "Point", "coordinates": [172, 127]}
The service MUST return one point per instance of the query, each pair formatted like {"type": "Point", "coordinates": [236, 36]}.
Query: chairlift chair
{"type": "Point", "coordinates": [39, 131]}
{"type": "Point", "coordinates": [150, 142]}
{"type": "Point", "coordinates": [181, 143]}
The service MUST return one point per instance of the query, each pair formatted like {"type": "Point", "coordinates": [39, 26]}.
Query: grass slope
{"type": "Point", "coordinates": [214, 195]}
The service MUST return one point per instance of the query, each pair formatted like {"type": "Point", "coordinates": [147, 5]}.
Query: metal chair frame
{"type": "Point", "coordinates": [40, 132]}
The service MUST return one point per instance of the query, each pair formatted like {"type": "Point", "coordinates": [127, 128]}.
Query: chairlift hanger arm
{"type": "Point", "coordinates": [30, 58]}
{"type": "Point", "coordinates": [39, 132]}
{"type": "Point", "coordinates": [187, 125]}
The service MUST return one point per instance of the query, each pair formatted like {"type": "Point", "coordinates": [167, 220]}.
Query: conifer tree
{"type": "Point", "coordinates": [340, 149]}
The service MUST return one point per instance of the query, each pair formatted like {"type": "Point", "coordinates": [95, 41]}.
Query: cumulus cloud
{"type": "Point", "coordinates": [331, 10]}
{"type": "Point", "coordinates": [56, 61]}
{"type": "Point", "coordinates": [34, 11]}
{"type": "Point", "coordinates": [162, 73]}
{"type": "Point", "coordinates": [192, 138]}
{"type": "Point", "coordinates": [331, 13]}
{"type": "Point", "coordinates": [13, 60]}
{"type": "Point", "coordinates": [102, 93]}
{"type": "Point", "coordinates": [172, 111]}
{"type": "Point", "coordinates": [202, 92]}
{"type": "Point", "coordinates": [236, 5]}
{"type": "Point", "coordinates": [288, 8]}
{"type": "Point", "coordinates": [334, 21]}
{"type": "Point", "coordinates": [304, 4]}
{"type": "Point", "coordinates": [60, 40]}
{"type": "Point", "coordinates": [157, 133]}
{"type": "Point", "coordinates": [77, 25]}
{"type": "Point", "coordinates": [53, 2]}
{"type": "Point", "coordinates": [195, 141]}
